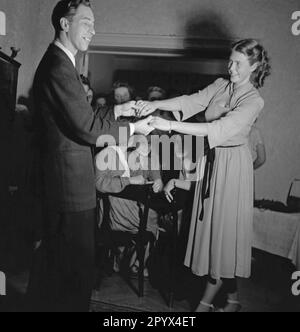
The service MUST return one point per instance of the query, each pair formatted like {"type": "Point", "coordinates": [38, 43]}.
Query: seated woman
{"type": "Point", "coordinates": [122, 93]}
{"type": "Point", "coordinates": [188, 175]}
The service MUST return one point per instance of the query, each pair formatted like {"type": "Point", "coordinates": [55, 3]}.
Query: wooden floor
{"type": "Point", "coordinates": [268, 290]}
{"type": "Point", "coordinates": [115, 294]}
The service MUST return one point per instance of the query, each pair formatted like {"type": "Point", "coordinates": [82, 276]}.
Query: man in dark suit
{"type": "Point", "coordinates": [62, 277]}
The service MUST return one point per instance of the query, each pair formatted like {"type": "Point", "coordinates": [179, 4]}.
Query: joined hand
{"type": "Point", "coordinates": [145, 108]}
{"type": "Point", "coordinates": [161, 124]}
{"type": "Point", "coordinates": [143, 127]}
{"type": "Point", "coordinates": [126, 110]}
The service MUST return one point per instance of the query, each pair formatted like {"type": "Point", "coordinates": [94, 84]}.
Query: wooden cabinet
{"type": "Point", "coordinates": [8, 88]}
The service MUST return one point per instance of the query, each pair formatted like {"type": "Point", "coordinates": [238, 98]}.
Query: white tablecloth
{"type": "Point", "coordinates": [278, 233]}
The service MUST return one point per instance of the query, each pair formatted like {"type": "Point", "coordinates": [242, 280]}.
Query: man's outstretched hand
{"type": "Point", "coordinates": [145, 108]}
{"type": "Point", "coordinates": [126, 110]}
{"type": "Point", "coordinates": [143, 127]}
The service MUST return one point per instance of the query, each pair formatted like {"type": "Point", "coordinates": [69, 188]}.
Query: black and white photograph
{"type": "Point", "coordinates": [150, 158]}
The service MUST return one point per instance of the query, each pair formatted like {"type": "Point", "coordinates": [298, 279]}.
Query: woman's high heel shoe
{"type": "Point", "coordinates": [232, 306]}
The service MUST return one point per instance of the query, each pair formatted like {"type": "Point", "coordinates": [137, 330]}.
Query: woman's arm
{"type": "Point", "coordinates": [240, 118]}
{"type": "Point", "coordinates": [174, 183]}
{"type": "Point", "coordinates": [195, 129]}
{"type": "Point", "coordinates": [188, 105]}
{"type": "Point", "coordinates": [145, 108]}
{"type": "Point", "coordinates": [183, 184]}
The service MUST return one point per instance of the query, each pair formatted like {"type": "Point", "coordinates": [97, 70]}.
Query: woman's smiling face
{"type": "Point", "coordinates": [239, 68]}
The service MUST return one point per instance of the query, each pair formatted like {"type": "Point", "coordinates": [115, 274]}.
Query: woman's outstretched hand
{"type": "Point", "coordinates": [161, 124]}
{"type": "Point", "coordinates": [145, 108]}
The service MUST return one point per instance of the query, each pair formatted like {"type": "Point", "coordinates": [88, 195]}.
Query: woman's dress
{"type": "Point", "coordinates": [219, 245]}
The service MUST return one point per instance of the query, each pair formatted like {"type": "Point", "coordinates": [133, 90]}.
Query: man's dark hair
{"type": "Point", "coordinates": [66, 8]}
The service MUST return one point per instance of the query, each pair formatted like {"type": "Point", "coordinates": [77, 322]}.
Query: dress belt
{"type": "Point", "coordinates": [229, 146]}
{"type": "Point", "coordinates": [209, 166]}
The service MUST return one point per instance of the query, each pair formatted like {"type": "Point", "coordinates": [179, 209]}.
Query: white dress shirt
{"type": "Point", "coordinates": [64, 49]}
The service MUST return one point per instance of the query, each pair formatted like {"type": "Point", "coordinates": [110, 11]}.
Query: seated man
{"type": "Point", "coordinates": [101, 100]}
{"type": "Point", "coordinates": [122, 169]}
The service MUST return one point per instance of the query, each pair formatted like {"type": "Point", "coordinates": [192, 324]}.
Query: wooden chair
{"type": "Point", "coordinates": [112, 239]}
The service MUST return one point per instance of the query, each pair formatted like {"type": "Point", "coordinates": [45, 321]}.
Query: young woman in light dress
{"type": "Point", "coordinates": [219, 245]}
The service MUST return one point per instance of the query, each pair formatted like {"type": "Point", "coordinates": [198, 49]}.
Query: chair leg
{"type": "Point", "coordinates": [141, 257]}
{"type": "Point", "coordinates": [173, 258]}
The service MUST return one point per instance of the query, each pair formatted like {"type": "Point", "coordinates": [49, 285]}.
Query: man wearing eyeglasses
{"type": "Point", "coordinates": [68, 130]}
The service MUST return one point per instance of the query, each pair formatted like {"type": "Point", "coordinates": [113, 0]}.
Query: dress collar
{"type": "Point", "coordinates": [240, 88]}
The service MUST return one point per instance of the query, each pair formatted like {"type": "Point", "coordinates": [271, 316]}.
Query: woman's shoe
{"type": "Point", "coordinates": [231, 306]}
{"type": "Point", "coordinates": [206, 307]}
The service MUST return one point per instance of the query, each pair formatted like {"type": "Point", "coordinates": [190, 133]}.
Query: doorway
{"type": "Point", "coordinates": [182, 74]}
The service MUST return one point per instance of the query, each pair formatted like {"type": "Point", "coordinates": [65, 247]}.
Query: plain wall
{"type": "Point", "coordinates": [28, 27]}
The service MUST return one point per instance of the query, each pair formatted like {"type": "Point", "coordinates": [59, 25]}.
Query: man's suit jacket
{"type": "Point", "coordinates": [68, 130]}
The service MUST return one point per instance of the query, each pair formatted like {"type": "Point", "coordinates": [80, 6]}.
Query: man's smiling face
{"type": "Point", "coordinates": [81, 29]}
